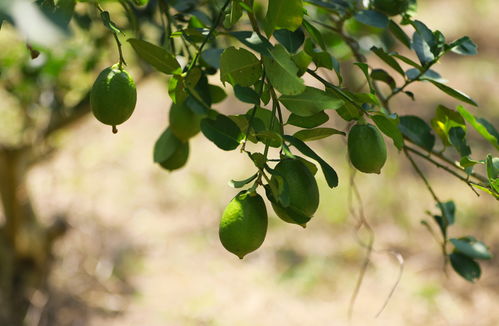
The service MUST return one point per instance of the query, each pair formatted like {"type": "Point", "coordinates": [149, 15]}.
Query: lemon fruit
{"type": "Point", "coordinates": [391, 7]}
{"type": "Point", "coordinates": [184, 123]}
{"type": "Point", "coordinates": [178, 158]}
{"type": "Point", "coordinates": [366, 148]}
{"type": "Point", "coordinates": [244, 224]}
{"type": "Point", "coordinates": [303, 192]}
{"type": "Point", "coordinates": [113, 96]}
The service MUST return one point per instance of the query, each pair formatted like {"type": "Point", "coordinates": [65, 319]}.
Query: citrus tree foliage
{"type": "Point", "coordinates": [266, 53]}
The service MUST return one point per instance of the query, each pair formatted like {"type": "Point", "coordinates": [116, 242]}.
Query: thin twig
{"type": "Point", "coordinates": [445, 218]}
{"type": "Point", "coordinates": [210, 33]}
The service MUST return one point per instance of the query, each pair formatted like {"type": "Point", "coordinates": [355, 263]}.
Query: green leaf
{"type": "Point", "coordinates": [427, 75]}
{"type": "Point", "coordinates": [444, 120]}
{"type": "Point", "coordinates": [156, 56]}
{"type": "Point", "coordinates": [239, 66]}
{"type": "Point", "coordinates": [316, 134]}
{"type": "Point", "coordinates": [382, 75]}
{"type": "Point", "coordinates": [261, 124]}
{"type": "Point", "coordinates": [492, 165]}
{"type": "Point", "coordinates": [365, 70]}
{"type": "Point", "coordinates": [464, 46]}
{"type": "Point", "coordinates": [165, 146]}
{"type": "Point", "coordinates": [235, 13]}
{"type": "Point", "coordinates": [327, 170]}
{"type": "Point", "coordinates": [399, 34]}
{"type": "Point", "coordinates": [310, 102]}
{"type": "Point", "coordinates": [406, 60]}
{"type": "Point", "coordinates": [424, 43]}
{"type": "Point", "coordinates": [418, 131]}
{"type": "Point", "coordinates": [471, 247]}
{"type": "Point", "coordinates": [490, 128]}
{"type": "Point", "coordinates": [389, 127]}
{"type": "Point", "coordinates": [217, 93]}
{"type": "Point", "coordinates": [453, 92]}
{"type": "Point", "coordinates": [447, 209]}
{"type": "Point", "coordinates": [222, 131]}
{"type": "Point", "coordinates": [308, 122]}
{"type": "Point", "coordinates": [282, 72]}
{"type": "Point", "coordinates": [466, 267]}
{"type": "Point", "coordinates": [242, 183]}
{"type": "Point", "coordinates": [388, 59]}
{"type": "Point", "coordinates": [253, 41]}
{"type": "Point", "coordinates": [246, 95]}
{"type": "Point", "coordinates": [302, 61]}
{"type": "Point", "coordinates": [481, 128]}
{"type": "Point", "coordinates": [457, 137]}
{"type": "Point", "coordinates": [286, 14]}
{"type": "Point", "coordinates": [270, 137]}
{"type": "Point", "coordinates": [372, 18]}
{"type": "Point", "coordinates": [290, 40]}
{"type": "Point", "coordinates": [314, 34]}
{"type": "Point", "coordinates": [212, 57]}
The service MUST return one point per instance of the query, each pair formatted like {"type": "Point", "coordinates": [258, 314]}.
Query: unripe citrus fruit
{"type": "Point", "coordinates": [183, 122]}
{"type": "Point", "coordinates": [113, 96]}
{"type": "Point", "coordinates": [303, 192]}
{"type": "Point", "coordinates": [178, 158]}
{"type": "Point", "coordinates": [244, 224]}
{"type": "Point", "coordinates": [366, 148]}
{"type": "Point", "coordinates": [391, 7]}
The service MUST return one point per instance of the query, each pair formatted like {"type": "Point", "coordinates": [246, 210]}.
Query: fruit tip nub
{"type": "Point", "coordinates": [115, 130]}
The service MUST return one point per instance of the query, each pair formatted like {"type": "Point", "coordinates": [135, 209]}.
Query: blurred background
{"type": "Point", "coordinates": [142, 248]}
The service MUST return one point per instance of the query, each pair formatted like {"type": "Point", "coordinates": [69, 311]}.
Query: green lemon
{"type": "Point", "coordinates": [366, 148]}
{"type": "Point", "coordinates": [184, 123]}
{"type": "Point", "coordinates": [303, 192]}
{"type": "Point", "coordinates": [244, 224]}
{"type": "Point", "coordinates": [178, 158]}
{"type": "Point", "coordinates": [113, 96]}
{"type": "Point", "coordinates": [141, 2]}
{"type": "Point", "coordinates": [391, 7]}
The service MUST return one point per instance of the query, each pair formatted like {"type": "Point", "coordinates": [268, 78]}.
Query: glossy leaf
{"type": "Point", "coordinates": [390, 128]}
{"type": "Point", "coordinates": [165, 146]}
{"type": "Point", "coordinates": [453, 92]}
{"type": "Point", "coordinates": [418, 131]}
{"type": "Point", "coordinates": [308, 122]}
{"type": "Point", "coordinates": [292, 41]}
{"type": "Point", "coordinates": [310, 102]}
{"type": "Point", "coordinates": [327, 170]}
{"type": "Point", "coordinates": [282, 72]}
{"type": "Point", "coordinates": [475, 123]}
{"type": "Point", "coordinates": [239, 66]}
{"type": "Point", "coordinates": [471, 247]}
{"type": "Point", "coordinates": [246, 95]}
{"type": "Point", "coordinates": [466, 267]}
{"type": "Point", "coordinates": [457, 137]}
{"type": "Point", "coordinates": [399, 33]}
{"type": "Point", "coordinates": [372, 18]}
{"type": "Point", "coordinates": [464, 46]}
{"type": "Point", "coordinates": [239, 184]}
{"type": "Point", "coordinates": [222, 131]}
{"type": "Point", "coordinates": [156, 56]}
{"type": "Point", "coordinates": [388, 59]}
{"type": "Point", "coordinates": [286, 14]}
{"type": "Point", "coordinates": [444, 120]}
{"type": "Point", "coordinates": [253, 41]}
{"type": "Point", "coordinates": [317, 133]}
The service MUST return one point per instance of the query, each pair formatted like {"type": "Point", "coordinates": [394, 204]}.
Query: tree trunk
{"type": "Point", "coordinates": [25, 245]}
